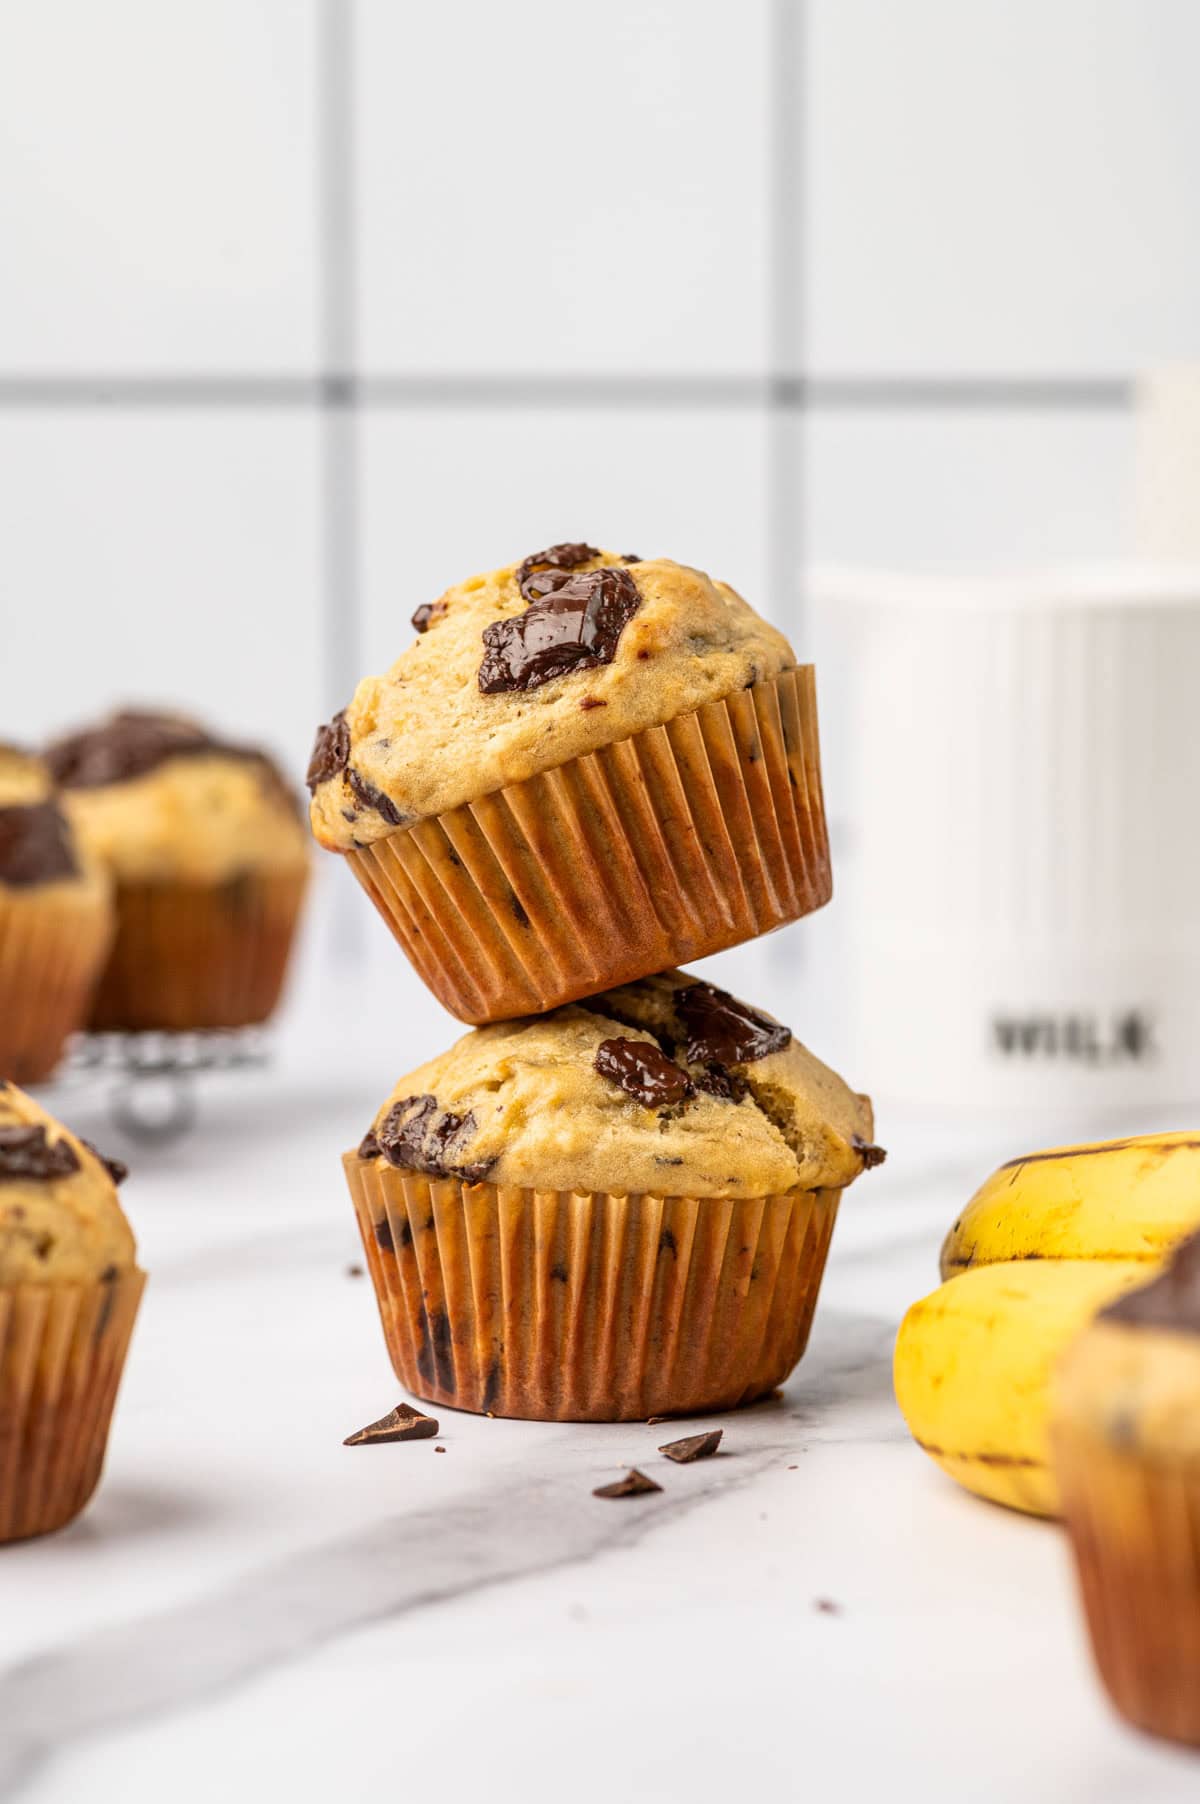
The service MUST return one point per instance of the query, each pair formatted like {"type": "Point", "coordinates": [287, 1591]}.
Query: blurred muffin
{"type": "Point", "coordinates": [617, 1210]}
{"type": "Point", "coordinates": [584, 768]}
{"type": "Point", "coordinates": [1127, 1456]}
{"type": "Point", "coordinates": [56, 921]}
{"type": "Point", "coordinates": [209, 857]}
{"type": "Point", "coordinates": [69, 1291]}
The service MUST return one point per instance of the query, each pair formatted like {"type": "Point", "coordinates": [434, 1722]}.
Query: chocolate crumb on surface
{"type": "Point", "coordinates": [693, 1447]}
{"type": "Point", "coordinates": [643, 1071]}
{"type": "Point", "coordinates": [404, 1423]}
{"type": "Point", "coordinates": [354, 1271]}
{"type": "Point", "coordinates": [25, 1152]}
{"type": "Point", "coordinates": [826, 1606]}
{"type": "Point", "coordinates": [634, 1484]}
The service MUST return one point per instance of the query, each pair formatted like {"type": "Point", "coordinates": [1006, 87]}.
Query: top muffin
{"type": "Point", "coordinates": [60, 1220]}
{"type": "Point", "coordinates": [37, 845]}
{"type": "Point", "coordinates": [160, 799]}
{"type": "Point", "coordinates": [668, 1086]}
{"type": "Point", "coordinates": [520, 670]}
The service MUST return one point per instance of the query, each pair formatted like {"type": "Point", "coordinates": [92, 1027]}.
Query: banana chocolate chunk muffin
{"type": "Point", "coordinates": [209, 857]}
{"type": "Point", "coordinates": [56, 921]}
{"type": "Point", "coordinates": [583, 768]}
{"type": "Point", "coordinates": [69, 1291]}
{"type": "Point", "coordinates": [618, 1209]}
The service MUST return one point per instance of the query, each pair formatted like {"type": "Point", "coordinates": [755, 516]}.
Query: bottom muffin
{"type": "Point", "coordinates": [1127, 1455]}
{"type": "Point", "coordinates": [617, 1210]}
{"type": "Point", "coordinates": [69, 1293]}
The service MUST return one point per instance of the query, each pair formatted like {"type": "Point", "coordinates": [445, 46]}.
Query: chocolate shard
{"type": "Point", "coordinates": [404, 1423]}
{"type": "Point", "coordinates": [634, 1484]}
{"type": "Point", "coordinates": [117, 1169]}
{"type": "Point", "coordinates": [368, 1146]}
{"type": "Point", "coordinates": [370, 797]}
{"type": "Point", "coordinates": [870, 1155]}
{"type": "Point", "coordinates": [415, 1135]}
{"type": "Point", "coordinates": [25, 1152]}
{"type": "Point", "coordinates": [35, 845]}
{"type": "Point", "coordinates": [723, 1031]}
{"type": "Point", "coordinates": [693, 1447]}
{"type": "Point", "coordinates": [330, 753]}
{"type": "Point", "coordinates": [1170, 1301]}
{"type": "Point", "coordinates": [575, 628]}
{"type": "Point", "coordinates": [543, 571]}
{"type": "Point", "coordinates": [644, 1072]}
{"type": "Point", "coordinates": [422, 616]}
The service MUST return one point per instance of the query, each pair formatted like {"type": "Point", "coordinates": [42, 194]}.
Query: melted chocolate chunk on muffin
{"type": "Point", "coordinates": [415, 1135]}
{"type": "Point", "coordinates": [644, 1072]}
{"type": "Point", "coordinates": [330, 753]}
{"type": "Point", "coordinates": [26, 1152]}
{"type": "Point", "coordinates": [35, 845]}
{"type": "Point", "coordinates": [723, 1031]}
{"type": "Point", "coordinates": [544, 571]}
{"type": "Point", "coordinates": [577, 626]}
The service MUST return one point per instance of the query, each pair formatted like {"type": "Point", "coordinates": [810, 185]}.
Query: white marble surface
{"type": "Point", "coordinates": [249, 1609]}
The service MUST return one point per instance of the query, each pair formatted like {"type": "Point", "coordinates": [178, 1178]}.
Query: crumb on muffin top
{"type": "Point", "coordinates": [156, 797]}
{"type": "Point", "coordinates": [60, 1220]}
{"type": "Point", "coordinates": [514, 672]}
{"type": "Point", "coordinates": [667, 1085]}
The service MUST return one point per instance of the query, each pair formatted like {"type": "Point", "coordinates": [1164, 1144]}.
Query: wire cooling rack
{"type": "Point", "coordinates": [152, 1076]}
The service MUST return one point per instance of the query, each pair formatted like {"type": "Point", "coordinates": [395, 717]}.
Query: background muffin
{"type": "Point", "coordinates": [210, 861]}
{"type": "Point", "coordinates": [69, 1291]}
{"type": "Point", "coordinates": [1127, 1455]}
{"type": "Point", "coordinates": [55, 921]}
{"type": "Point", "coordinates": [584, 768]}
{"type": "Point", "coordinates": [616, 1210]}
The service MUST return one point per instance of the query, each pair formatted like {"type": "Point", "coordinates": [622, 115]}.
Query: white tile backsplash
{"type": "Point", "coordinates": [1003, 189]}
{"type": "Point", "coordinates": [161, 558]}
{"type": "Point", "coordinates": [157, 186]}
{"type": "Point", "coordinates": [547, 187]}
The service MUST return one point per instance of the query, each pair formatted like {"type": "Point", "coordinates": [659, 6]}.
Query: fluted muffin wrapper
{"type": "Point", "coordinates": [188, 956]}
{"type": "Point", "coordinates": [1134, 1525]}
{"type": "Point", "coordinates": [656, 850]}
{"type": "Point", "coordinates": [62, 1352]}
{"type": "Point", "coordinates": [52, 946]}
{"type": "Point", "coordinates": [573, 1306]}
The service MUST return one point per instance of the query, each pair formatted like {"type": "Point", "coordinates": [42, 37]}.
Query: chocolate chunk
{"type": "Point", "coordinates": [575, 628]}
{"type": "Point", "coordinates": [693, 1446]}
{"type": "Point", "coordinates": [634, 1484]}
{"type": "Point", "coordinates": [404, 1423]}
{"type": "Point", "coordinates": [35, 845]}
{"type": "Point", "coordinates": [136, 741]}
{"type": "Point", "coordinates": [117, 1169]}
{"type": "Point", "coordinates": [722, 1083]}
{"type": "Point", "coordinates": [355, 1271]}
{"type": "Point", "coordinates": [368, 1146]}
{"type": "Point", "coordinates": [422, 617]}
{"type": "Point", "coordinates": [643, 1072]}
{"type": "Point", "coordinates": [370, 797]}
{"type": "Point", "coordinates": [631, 557]}
{"type": "Point", "coordinates": [544, 571]}
{"type": "Point", "coordinates": [330, 753]}
{"type": "Point", "coordinates": [415, 1136]}
{"type": "Point", "coordinates": [871, 1156]}
{"type": "Point", "coordinates": [721, 1030]}
{"type": "Point", "coordinates": [1171, 1300]}
{"type": "Point", "coordinates": [25, 1152]}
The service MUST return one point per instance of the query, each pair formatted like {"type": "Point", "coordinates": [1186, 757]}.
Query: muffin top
{"type": "Point", "coordinates": [37, 845]}
{"type": "Point", "coordinates": [60, 1221]}
{"type": "Point", "coordinates": [667, 1085]}
{"type": "Point", "coordinates": [518, 671]}
{"type": "Point", "coordinates": [1133, 1377]}
{"type": "Point", "coordinates": [159, 798]}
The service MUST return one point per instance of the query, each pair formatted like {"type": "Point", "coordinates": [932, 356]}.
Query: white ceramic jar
{"type": "Point", "coordinates": [1024, 835]}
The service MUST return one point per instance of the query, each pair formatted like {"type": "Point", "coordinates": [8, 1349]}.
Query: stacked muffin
{"type": "Point", "coordinates": [617, 1201]}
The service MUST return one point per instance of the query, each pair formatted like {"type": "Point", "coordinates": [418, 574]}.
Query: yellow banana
{"type": "Point", "coordinates": [1119, 1199]}
{"type": "Point", "coordinates": [973, 1364]}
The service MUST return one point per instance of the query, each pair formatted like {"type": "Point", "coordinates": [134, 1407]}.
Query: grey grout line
{"type": "Point", "coordinates": [786, 392]}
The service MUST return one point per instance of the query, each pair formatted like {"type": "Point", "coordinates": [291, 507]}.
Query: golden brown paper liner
{"type": "Point", "coordinates": [62, 1350]}
{"type": "Point", "coordinates": [657, 850]}
{"type": "Point", "coordinates": [586, 1307]}
{"type": "Point", "coordinates": [51, 950]}
{"type": "Point", "coordinates": [190, 956]}
{"type": "Point", "coordinates": [1135, 1532]}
